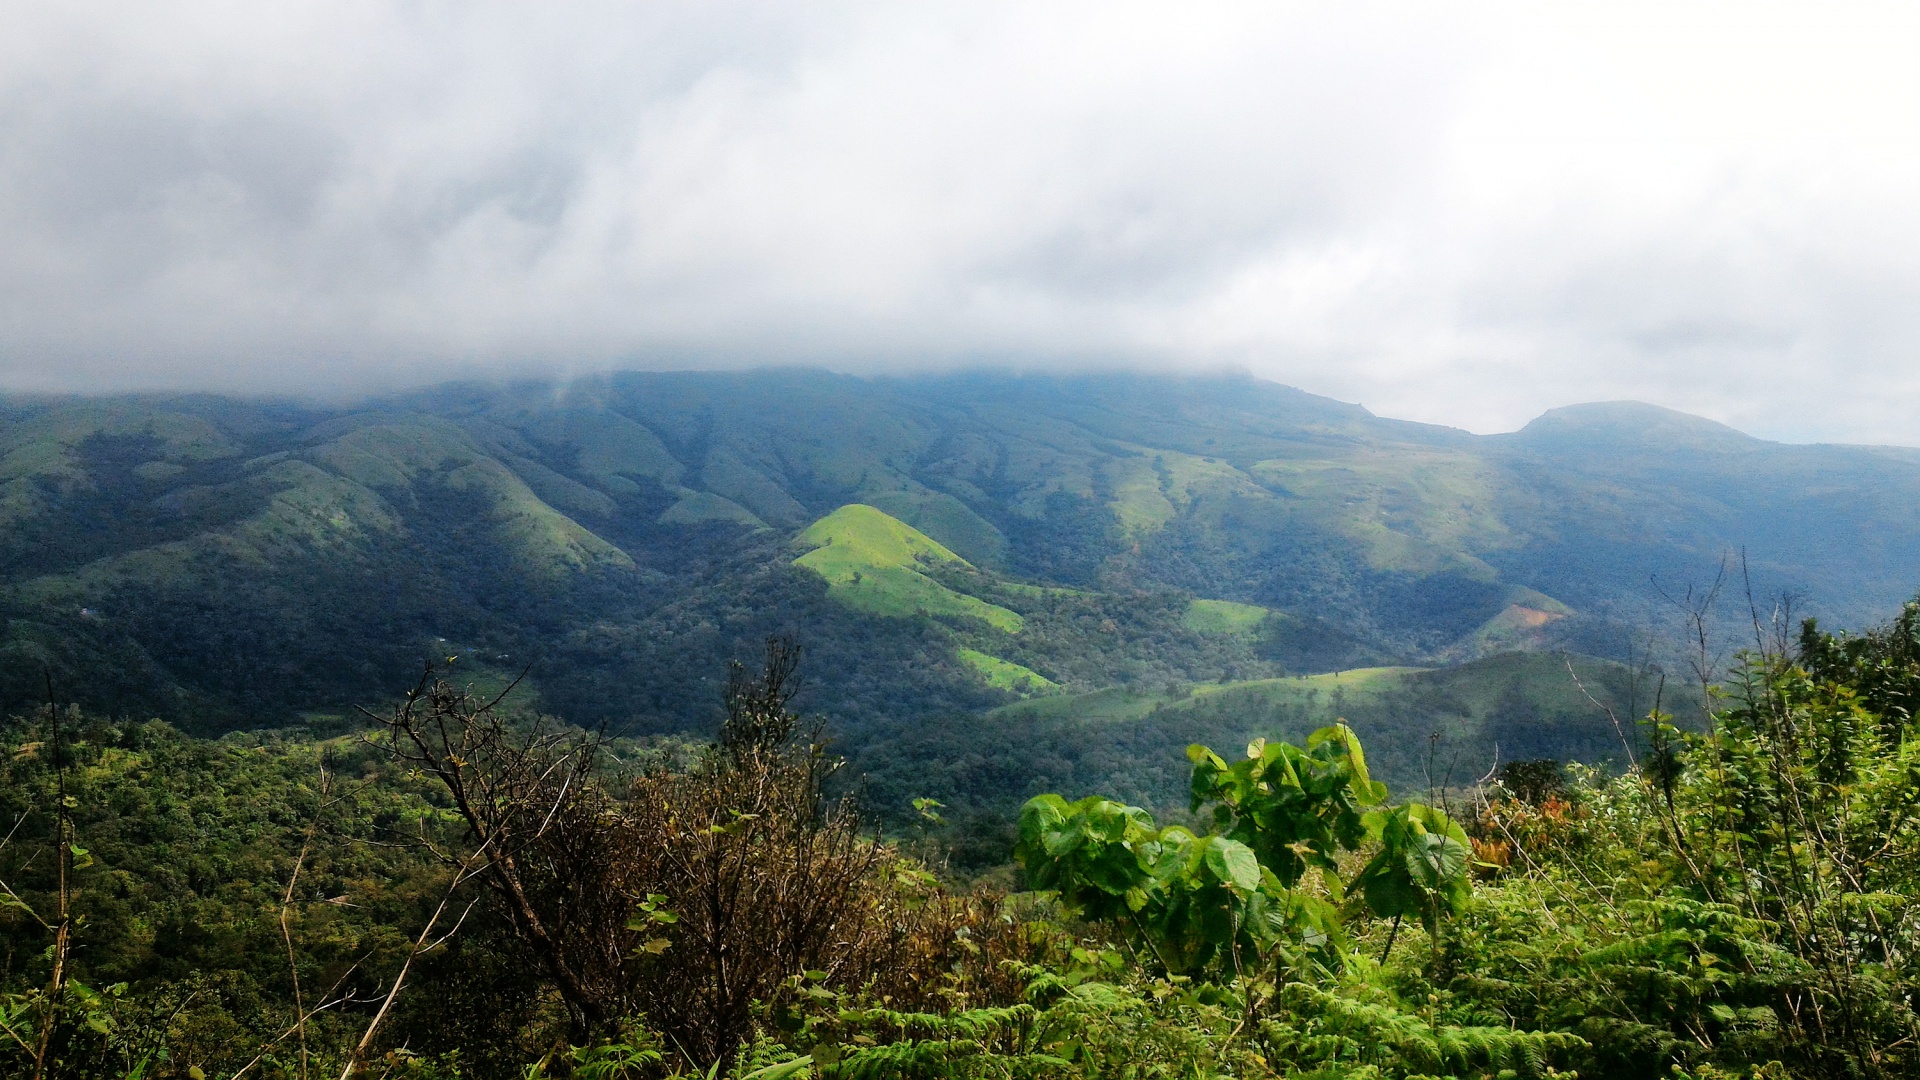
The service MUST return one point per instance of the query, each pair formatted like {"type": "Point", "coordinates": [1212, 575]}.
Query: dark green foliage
{"type": "Point", "coordinates": [1295, 808]}
{"type": "Point", "coordinates": [1067, 542]}
{"type": "Point", "coordinates": [1533, 781]}
{"type": "Point", "coordinates": [1420, 869]}
{"type": "Point", "coordinates": [1881, 666]}
{"type": "Point", "coordinates": [189, 847]}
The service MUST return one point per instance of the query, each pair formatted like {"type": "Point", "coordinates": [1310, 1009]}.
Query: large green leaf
{"type": "Point", "coordinates": [1435, 861]}
{"type": "Point", "coordinates": [1233, 864]}
{"type": "Point", "coordinates": [1042, 814]}
{"type": "Point", "coordinates": [1116, 870]}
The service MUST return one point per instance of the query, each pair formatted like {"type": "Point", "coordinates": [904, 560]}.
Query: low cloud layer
{"type": "Point", "coordinates": [1457, 214]}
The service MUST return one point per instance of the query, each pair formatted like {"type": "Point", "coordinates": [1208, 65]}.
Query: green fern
{"type": "Point", "coordinates": [1422, 1045]}
{"type": "Point", "coordinates": [979, 1025]}
{"type": "Point", "coordinates": [907, 1060]}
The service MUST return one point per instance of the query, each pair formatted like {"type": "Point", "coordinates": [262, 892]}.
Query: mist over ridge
{"type": "Point", "coordinates": [1463, 219]}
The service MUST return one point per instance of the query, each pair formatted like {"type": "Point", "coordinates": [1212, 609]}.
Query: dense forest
{"type": "Point", "coordinates": [464, 888]}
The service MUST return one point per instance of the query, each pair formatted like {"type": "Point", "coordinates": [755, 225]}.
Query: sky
{"type": "Point", "coordinates": [1460, 213]}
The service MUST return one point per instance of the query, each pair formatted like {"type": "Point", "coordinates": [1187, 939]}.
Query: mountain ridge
{"type": "Point", "coordinates": [1633, 422]}
{"type": "Point", "coordinates": [252, 561]}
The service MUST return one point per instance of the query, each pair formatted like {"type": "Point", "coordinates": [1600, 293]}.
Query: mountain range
{"type": "Point", "coordinates": [943, 546]}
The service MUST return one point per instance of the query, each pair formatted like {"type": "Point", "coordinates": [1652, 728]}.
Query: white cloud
{"type": "Point", "coordinates": [1464, 214]}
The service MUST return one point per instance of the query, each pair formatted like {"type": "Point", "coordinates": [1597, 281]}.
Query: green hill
{"type": "Point", "coordinates": [1422, 726]}
{"type": "Point", "coordinates": [1223, 617]}
{"type": "Point", "coordinates": [872, 562]}
{"type": "Point", "coordinates": [1006, 675]}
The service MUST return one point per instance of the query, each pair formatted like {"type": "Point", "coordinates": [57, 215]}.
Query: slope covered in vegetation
{"type": "Point", "coordinates": [234, 563]}
{"type": "Point", "coordinates": [872, 562]}
{"type": "Point", "coordinates": [464, 892]}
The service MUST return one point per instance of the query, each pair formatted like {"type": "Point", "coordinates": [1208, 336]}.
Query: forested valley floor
{"type": "Point", "coordinates": [462, 890]}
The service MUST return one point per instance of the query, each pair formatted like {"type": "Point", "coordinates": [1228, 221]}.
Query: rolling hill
{"type": "Point", "coordinates": [872, 561]}
{"type": "Point", "coordinates": [1423, 727]}
{"type": "Point", "coordinates": [945, 546]}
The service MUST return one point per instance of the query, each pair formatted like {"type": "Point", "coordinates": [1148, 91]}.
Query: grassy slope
{"type": "Point", "coordinates": [1475, 689]}
{"type": "Point", "coordinates": [1223, 617]}
{"type": "Point", "coordinates": [1005, 674]}
{"type": "Point", "coordinates": [333, 500]}
{"type": "Point", "coordinates": [1440, 726]}
{"type": "Point", "coordinates": [539, 538]}
{"type": "Point", "coordinates": [947, 519]}
{"type": "Point", "coordinates": [1528, 703]}
{"type": "Point", "coordinates": [1120, 703]}
{"type": "Point", "coordinates": [870, 561]}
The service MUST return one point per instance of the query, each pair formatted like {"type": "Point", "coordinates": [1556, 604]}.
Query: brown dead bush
{"type": "Point", "coordinates": [685, 897]}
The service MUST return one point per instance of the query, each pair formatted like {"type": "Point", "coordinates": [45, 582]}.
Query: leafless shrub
{"type": "Point", "coordinates": [543, 835]}
{"type": "Point", "coordinates": [686, 897]}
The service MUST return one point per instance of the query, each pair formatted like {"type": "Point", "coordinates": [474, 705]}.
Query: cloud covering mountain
{"type": "Point", "coordinates": [1463, 215]}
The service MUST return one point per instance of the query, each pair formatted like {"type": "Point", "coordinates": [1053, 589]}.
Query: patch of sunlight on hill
{"type": "Point", "coordinates": [1373, 680]}
{"type": "Point", "coordinates": [1116, 703]}
{"type": "Point", "coordinates": [1222, 617]}
{"type": "Point", "coordinates": [871, 561]}
{"type": "Point", "coordinates": [1138, 503]}
{"type": "Point", "coordinates": [1006, 675]}
{"type": "Point", "coordinates": [946, 519]}
{"type": "Point", "coordinates": [1520, 626]}
{"type": "Point", "coordinates": [1411, 511]}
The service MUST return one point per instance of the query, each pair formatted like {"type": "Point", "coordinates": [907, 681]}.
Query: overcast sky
{"type": "Point", "coordinates": [1461, 213]}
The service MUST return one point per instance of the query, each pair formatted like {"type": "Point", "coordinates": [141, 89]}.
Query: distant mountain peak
{"type": "Point", "coordinates": [1632, 423]}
